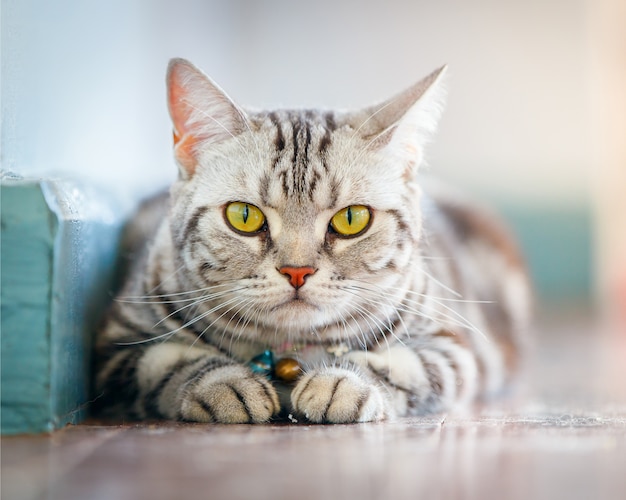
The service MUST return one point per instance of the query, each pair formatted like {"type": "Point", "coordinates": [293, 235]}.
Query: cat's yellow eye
{"type": "Point", "coordinates": [351, 220]}
{"type": "Point", "coordinates": [244, 217]}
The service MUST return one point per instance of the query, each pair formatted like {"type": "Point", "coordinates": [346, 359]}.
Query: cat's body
{"type": "Point", "coordinates": [306, 233]}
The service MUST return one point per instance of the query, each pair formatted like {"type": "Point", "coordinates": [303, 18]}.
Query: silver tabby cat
{"type": "Point", "coordinates": [309, 235]}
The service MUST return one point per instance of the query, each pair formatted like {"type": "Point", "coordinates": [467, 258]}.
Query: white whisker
{"type": "Point", "coordinates": [454, 318]}
{"type": "Point", "coordinates": [217, 122]}
{"type": "Point", "coordinates": [167, 278]}
{"type": "Point", "coordinates": [439, 283]}
{"type": "Point", "coordinates": [371, 116]}
{"type": "Point", "coordinates": [183, 327]}
{"type": "Point", "coordinates": [237, 300]}
{"type": "Point", "coordinates": [197, 302]}
{"type": "Point", "coordinates": [143, 299]}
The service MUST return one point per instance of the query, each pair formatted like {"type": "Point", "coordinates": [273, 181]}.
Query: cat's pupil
{"type": "Point", "coordinates": [245, 214]}
{"type": "Point", "coordinates": [349, 214]}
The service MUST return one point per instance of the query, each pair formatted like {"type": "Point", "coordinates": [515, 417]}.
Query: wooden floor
{"type": "Point", "coordinates": [562, 436]}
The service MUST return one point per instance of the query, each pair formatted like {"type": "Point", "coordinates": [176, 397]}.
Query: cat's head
{"type": "Point", "coordinates": [309, 220]}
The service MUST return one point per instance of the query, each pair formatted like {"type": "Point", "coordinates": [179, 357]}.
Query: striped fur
{"type": "Point", "coordinates": [424, 311]}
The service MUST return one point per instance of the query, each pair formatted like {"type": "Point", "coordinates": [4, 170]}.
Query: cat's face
{"type": "Point", "coordinates": [306, 219]}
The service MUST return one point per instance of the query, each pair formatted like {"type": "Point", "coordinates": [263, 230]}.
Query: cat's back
{"type": "Point", "coordinates": [474, 253]}
{"type": "Point", "coordinates": [467, 221]}
{"type": "Point", "coordinates": [141, 228]}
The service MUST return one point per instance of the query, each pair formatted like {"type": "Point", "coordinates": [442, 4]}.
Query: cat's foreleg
{"type": "Point", "coordinates": [178, 382]}
{"type": "Point", "coordinates": [394, 381]}
{"type": "Point", "coordinates": [439, 375]}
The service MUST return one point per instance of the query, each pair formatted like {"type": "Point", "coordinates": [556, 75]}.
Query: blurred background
{"type": "Point", "coordinates": [535, 122]}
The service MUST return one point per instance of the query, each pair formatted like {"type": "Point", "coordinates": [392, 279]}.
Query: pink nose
{"type": "Point", "coordinates": [296, 275]}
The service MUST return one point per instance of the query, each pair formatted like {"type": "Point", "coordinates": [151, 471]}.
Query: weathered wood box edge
{"type": "Point", "coordinates": [58, 253]}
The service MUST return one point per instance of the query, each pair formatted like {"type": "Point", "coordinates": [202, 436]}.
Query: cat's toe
{"type": "Point", "coordinates": [337, 395]}
{"type": "Point", "coordinates": [229, 395]}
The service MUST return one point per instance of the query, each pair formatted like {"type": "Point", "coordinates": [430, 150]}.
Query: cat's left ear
{"type": "Point", "coordinates": [202, 114]}
{"type": "Point", "coordinates": [404, 124]}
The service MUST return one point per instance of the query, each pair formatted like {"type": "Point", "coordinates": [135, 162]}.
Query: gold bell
{"type": "Point", "coordinates": [287, 369]}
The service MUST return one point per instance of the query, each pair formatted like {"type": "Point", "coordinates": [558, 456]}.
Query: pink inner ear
{"type": "Point", "coordinates": [184, 150]}
{"type": "Point", "coordinates": [179, 110]}
{"type": "Point", "coordinates": [184, 140]}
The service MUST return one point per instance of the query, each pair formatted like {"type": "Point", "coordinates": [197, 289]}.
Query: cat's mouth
{"type": "Point", "coordinates": [295, 301]}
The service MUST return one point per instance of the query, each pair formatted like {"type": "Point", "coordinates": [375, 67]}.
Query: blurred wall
{"type": "Point", "coordinates": [83, 81]}
{"type": "Point", "coordinates": [607, 58]}
{"type": "Point", "coordinates": [83, 85]}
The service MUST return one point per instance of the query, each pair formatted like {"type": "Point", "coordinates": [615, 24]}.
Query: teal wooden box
{"type": "Point", "coordinates": [58, 251]}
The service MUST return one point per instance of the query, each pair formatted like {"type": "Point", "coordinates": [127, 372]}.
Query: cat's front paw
{"type": "Point", "coordinates": [230, 394]}
{"type": "Point", "coordinates": [338, 395]}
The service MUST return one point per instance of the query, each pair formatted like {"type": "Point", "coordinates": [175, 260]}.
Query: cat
{"type": "Point", "coordinates": [307, 240]}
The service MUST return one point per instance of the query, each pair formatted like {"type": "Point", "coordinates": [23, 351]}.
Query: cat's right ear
{"type": "Point", "coordinates": [201, 112]}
